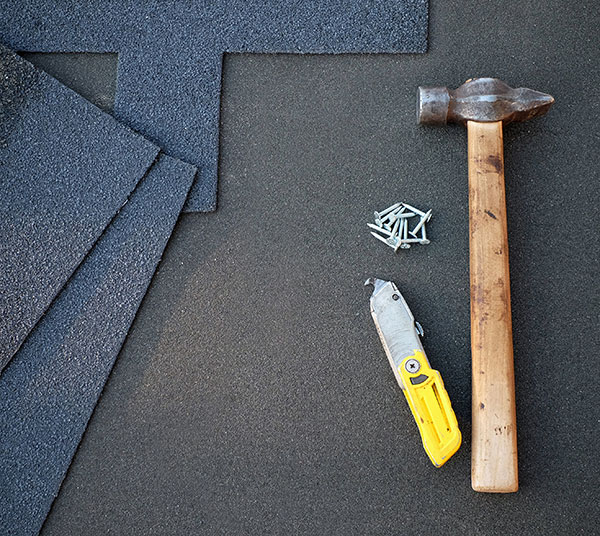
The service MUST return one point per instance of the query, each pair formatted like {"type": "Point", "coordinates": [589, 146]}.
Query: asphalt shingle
{"type": "Point", "coordinates": [171, 52]}
{"type": "Point", "coordinates": [66, 168]}
{"type": "Point", "coordinates": [50, 388]}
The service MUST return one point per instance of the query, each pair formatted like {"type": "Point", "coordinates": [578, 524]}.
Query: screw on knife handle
{"type": "Point", "coordinates": [431, 408]}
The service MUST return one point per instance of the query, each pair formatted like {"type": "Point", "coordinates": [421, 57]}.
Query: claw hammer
{"type": "Point", "coordinates": [484, 105]}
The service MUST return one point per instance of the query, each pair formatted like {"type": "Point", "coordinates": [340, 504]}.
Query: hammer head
{"type": "Point", "coordinates": [480, 99]}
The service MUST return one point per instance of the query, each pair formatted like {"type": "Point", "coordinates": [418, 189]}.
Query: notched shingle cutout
{"type": "Point", "coordinates": [92, 75]}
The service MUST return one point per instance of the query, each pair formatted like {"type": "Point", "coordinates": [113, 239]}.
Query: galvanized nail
{"type": "Point", "coordinates": [403, 215]}
{"type": "Point", "coordinates": [380, 215]}
{"type": "Point", "coordinates": [420, 212]}
{"type": "Point", "coordinates": [379, 237]}
{"type": "Point", "coordinates": [424, 240]}
{"type": "Point", "coordinates": [391, 216]}
{"type": "Point", "coordinates": [380, 229]}
{"type": "Point", "coordinates": [402, 241]}
{"type": "Point", "coordinates": [392, 239]}
{"type": "Point", "coordinates": [424, 219]}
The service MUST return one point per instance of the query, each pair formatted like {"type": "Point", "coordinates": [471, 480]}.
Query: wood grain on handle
{"type": "Point", "coordinates": [494, 434]}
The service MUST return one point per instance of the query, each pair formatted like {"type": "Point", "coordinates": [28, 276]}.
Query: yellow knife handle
{"type": "Point", "coordinates": [431, 408]}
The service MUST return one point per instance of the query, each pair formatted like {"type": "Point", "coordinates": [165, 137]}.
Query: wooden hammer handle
{"type": "Point", "coordinates": [494, 434]}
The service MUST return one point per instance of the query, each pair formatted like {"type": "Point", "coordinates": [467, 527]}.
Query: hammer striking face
{"type": "Point", "coordinates": [484, 105]}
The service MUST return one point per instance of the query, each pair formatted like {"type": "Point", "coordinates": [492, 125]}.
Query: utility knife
{"type": "Point", "coordinates": [422, 386]}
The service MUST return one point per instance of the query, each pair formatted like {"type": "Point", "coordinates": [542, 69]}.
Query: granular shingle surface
{"type": "Point", "coordinates": [50, 388]}
{"type": "Point", "coordinates": [170, 54]}
{"type": "Point", "coordinates": [93, 76]}
{"type": "Point", "coordinates": [65, 169]}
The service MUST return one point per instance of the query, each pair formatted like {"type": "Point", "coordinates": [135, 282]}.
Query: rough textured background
{"type": "Point", "coordinates": [65, 170]}
{"type": "Point", "coordinates": [50, 388]}
{"type": "Point", "coordinates": [253, 395]}
{"type": "Point", "coordinates": [92, 75]}
{"type": "Point", "coordinates": [170, 53]}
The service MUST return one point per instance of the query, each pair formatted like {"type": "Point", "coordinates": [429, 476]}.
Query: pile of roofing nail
{"type": "Point", "coordinates": [392, 226]}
